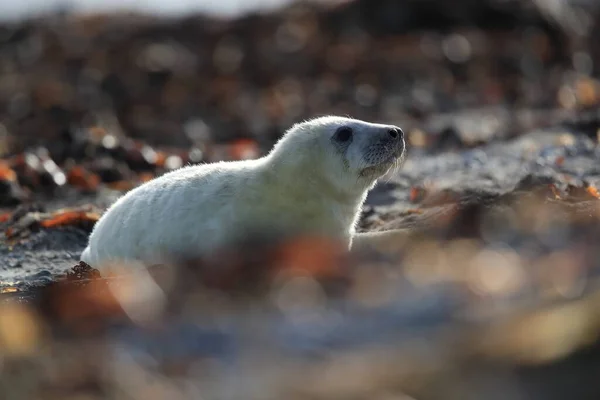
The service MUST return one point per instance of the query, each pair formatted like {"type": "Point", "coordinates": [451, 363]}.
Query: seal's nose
{"type": "Point", "coordinates": [395, 133]}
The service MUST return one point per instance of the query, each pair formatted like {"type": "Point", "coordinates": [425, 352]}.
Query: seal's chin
{"type": "Point", "coordinates": [374, 171]}
{"type": "Point", "coordinates": [378, 170]}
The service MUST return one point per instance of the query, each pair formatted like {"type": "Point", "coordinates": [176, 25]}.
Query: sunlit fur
{"type": "Point", "coordinates": [307, 184]}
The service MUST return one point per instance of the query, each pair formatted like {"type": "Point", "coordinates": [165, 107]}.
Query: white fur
{"type": "Point", "coordinates": [306, 184]}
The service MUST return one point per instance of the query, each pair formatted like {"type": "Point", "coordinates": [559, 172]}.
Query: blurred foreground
{"type": "Point", "coordinates": [494, 297]}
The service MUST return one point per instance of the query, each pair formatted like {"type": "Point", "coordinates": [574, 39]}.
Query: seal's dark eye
{"type": "Point", "coordinates": [343, 134]}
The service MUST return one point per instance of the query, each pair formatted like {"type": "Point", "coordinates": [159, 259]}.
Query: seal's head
{"type": "Point", "coordinates": [348, 154]}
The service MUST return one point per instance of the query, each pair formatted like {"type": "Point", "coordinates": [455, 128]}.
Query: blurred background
{"type": "Point", "coordinates": [495, 296]}
{"type": "Point", "coordinates": [173, 77]}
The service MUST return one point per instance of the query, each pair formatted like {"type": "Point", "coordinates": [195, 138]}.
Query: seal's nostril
{"type": "Point", "coordinates": [394, 133]}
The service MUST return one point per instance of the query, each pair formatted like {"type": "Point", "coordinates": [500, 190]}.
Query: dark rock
{"type": "Point", "coordinates": [11, 194]}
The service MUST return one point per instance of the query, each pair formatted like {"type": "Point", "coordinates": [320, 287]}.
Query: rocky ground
{"type": "Point", "coordinates": [493, 296]}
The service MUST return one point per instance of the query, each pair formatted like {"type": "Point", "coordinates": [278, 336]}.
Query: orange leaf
{"type": "Point", "coordinates": [69, 218]}
{"type": "Point", "coordinates": [6, 173]}
{"type": "Point", "coordinates": [160, 159]}
{"type": "Point", "coordinates": [146, 176]}
{"type": "Point", "coordinates": [587, 93]}
{"type": "Point", "coordinates": [120, 185]}
{"type": "Point", "coordinates": [84, 306]}
{"type": "Point", "coordinates": [416, 194]}
{"type": "Point", "coordinates": [243, 149]}
{"type": "Point", "coordinates": [593, 191]}
{"type": "Point", "coordinates": [5, 217]}
{"type": "Point", "coordinates": [313, 255]}
{"type": "Point", "coordinates": [83, 179]}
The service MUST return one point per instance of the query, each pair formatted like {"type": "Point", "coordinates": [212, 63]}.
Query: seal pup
{"type": "Point", "coordinates": [313, 182]}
